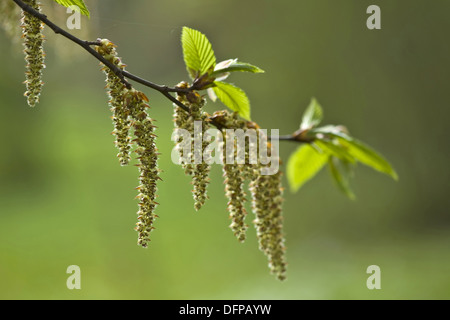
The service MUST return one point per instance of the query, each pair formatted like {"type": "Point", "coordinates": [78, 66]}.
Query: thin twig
{"type": "Point", "coordinates": [86, 45]}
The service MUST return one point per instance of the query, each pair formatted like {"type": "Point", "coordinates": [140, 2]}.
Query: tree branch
{"type": "Point", "coordinates": [122, 74]}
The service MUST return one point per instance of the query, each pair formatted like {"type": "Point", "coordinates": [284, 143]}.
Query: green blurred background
{"type": "Point", "coordinates": [65, 200]}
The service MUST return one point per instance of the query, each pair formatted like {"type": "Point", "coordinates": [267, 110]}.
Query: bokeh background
{"type": "Point", "coordinates": [65, 200]}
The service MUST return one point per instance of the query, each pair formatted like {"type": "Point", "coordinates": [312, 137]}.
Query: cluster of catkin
{"type": "Point", "coordinates": [134, 128]}
{"type": "Point", "coordinates": [129, 108]}
{"type": "Point", "coordinates": [266, 190]}
{"type": "Point", "coordinates": [130, 118]}
{"type": "Point", "coordinates": [33, 40]}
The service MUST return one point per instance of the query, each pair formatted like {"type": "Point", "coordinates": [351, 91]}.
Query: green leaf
{"type": "Point", "coordinates": [79, 3]}
{"type": "Point", "coordinates": [358, 150]}
{"type": "Point", "coordinates": [341, 171]}
{"type": "Point", "coordinates": [197, 52]}
{"type": "Point", "coordinates": [312, 116]}
{"type": "Point", "coordinates": [367, 155]}
{"type": "Point", "coordinates": [334, 149]}
{"type": "Point", "coordinates": [223, 68]}
{"type": "Point", "coordinates": [233, 97]}
{"type": "Point", "coordinates": [303, 165]}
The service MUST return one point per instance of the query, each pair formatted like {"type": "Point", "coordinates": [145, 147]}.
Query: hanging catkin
{"type": "Point", "coordinates": [147, 153]}
{"type": "Point", "coordinates": [33, 40]}
{"type": "Point", "coordinates": [116, 91]}
{"type": "Point", "coordinates": [233, 174]}
{"type": "Point", "coordinates": [195, 164]}
{"type": "Point", "coordinates": [183, 121]}
{"type": "Point", "coordinates": [267, 201]}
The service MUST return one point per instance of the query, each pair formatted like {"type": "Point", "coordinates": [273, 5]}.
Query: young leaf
{"type": "Point", "coordinates": [312, 116]}
{"type": "Point", "coordinates": [223, 68]}
{"type": "Point", "coordinates": [220, 75]}
{"type": "Point", "coordinates": [341, 171]}
{"type": "Point", "coordinates": [336, 150]}
{"type": "Point", "coordinates": [79, 3]}
{"type": "Point", "coordinates": [211, 94]}
{"type": "Point", "coordinates": [303, 165]}
{"type": "Point", "coordinates": [358, 150]}
{"type": "Point", "coordinates": [331, 130]}
{"type": "Point", "coordinates": [198, 53]}
{"type": "Point", "coordinates": [233, 97]}
{"type": "Point", "coordinates": [367, 155]}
